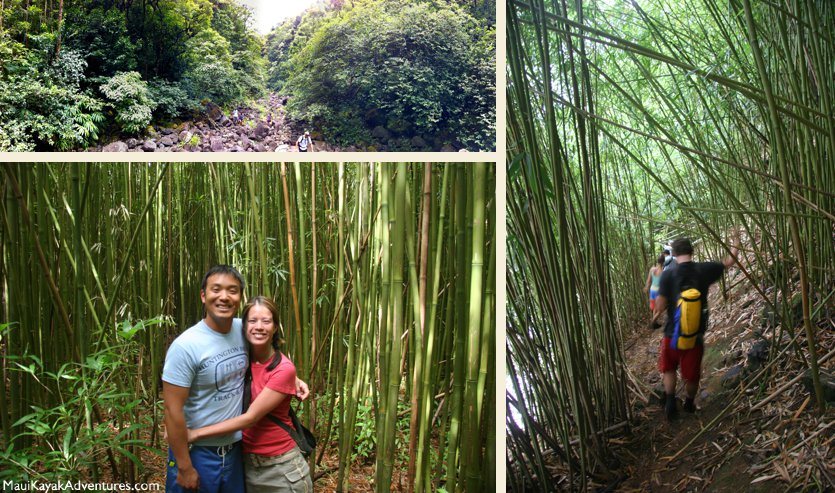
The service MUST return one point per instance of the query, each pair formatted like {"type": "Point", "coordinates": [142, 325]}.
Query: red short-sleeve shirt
{"type": "Point", "coordinates": [266, 437]}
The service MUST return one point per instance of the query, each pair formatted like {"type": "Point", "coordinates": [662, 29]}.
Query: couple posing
{"type": "Point", "coordinates": [203, 391]}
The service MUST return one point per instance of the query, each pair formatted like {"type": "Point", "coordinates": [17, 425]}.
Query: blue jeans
{"type": "Point", "coordinates": [220, 469]}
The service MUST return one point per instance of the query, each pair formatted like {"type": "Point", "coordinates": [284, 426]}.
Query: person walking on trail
{"type": "Point", "coordinates": [304, 142]}
{"type": "Point", "coordinates": [653, 278]}
{"type": "Point", "coordinates": [669, 258]}
{"type": "Point", "coordinates": [202, 384]}
{"type": "Point", "coordinates": [682, 292]}
{"type": "Point", "coordinates": [235, 116]}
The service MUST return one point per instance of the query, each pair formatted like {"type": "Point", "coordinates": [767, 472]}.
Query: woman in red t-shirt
{"type": "Point", "coordinates": [272, 460]}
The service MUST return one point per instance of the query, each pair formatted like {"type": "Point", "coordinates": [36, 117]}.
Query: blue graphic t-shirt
{"type": "Point", "coordinates": [212, 366]}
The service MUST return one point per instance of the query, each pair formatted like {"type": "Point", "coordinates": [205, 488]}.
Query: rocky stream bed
{"type": "Point", "coordinates": [216, 132]}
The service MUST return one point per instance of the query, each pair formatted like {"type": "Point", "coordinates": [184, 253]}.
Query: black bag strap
{"type": "Point", "coordinates": [284, 426]}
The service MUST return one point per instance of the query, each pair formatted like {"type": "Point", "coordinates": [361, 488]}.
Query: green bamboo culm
{"type": "Point", "coordinates": [629, 124]}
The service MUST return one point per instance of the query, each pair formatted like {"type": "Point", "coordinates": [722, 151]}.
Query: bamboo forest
{"type": "Point", "coordinates": [631, 126]}
{"type": "Point", "coordinates": [383, 275]}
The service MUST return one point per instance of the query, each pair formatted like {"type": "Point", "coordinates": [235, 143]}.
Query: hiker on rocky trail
{"type": "Point", "coordinates": [683, 292]}
{"type": "Point", "coordinates": [653, 278]}
{"type": "Point", "coordinates": [304, 141]}
{"type": "Point", "coordinates": [235, 116]}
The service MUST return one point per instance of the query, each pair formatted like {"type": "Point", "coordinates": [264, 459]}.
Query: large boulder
{"type": "Point", "coordinates": [216, 144]}
{"type": "Point", "coordinates": [132, 143]}
{"type": "Point", "coordinates": [213, 111]}
{"type": "Point", "coordinates": [167, 141]}
{"type": "Point", "coordinates": [117, 146]}
{"type": "Point", "coordinates": [259, 147]}
{"type": "Point", "coordinates": [149, 146]}
{"type": "Point", "coordinates": [261, 131]}
{"type": "Point", "coordinates": [184, 136]}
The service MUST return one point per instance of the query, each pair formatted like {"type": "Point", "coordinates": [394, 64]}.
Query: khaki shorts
{"type": "Point", "coordinates": [285, 473]}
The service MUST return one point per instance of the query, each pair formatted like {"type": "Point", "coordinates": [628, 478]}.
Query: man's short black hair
{"type": "Point", "coordinates": [222, 269]}
{"type": "Point", "coordinates": [682, 246]}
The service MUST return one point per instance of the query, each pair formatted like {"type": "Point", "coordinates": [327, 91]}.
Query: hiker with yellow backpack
{"type": "Point", "coordinates": [683, 293]}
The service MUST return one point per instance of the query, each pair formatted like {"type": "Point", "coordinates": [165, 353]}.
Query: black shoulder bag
{"type": "Point", "coordinates": [298, 432]}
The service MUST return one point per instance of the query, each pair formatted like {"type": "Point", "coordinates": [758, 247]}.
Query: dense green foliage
{"type": "Point", "coordinates": [375, 74]}
{"type": "Point", "coordinates": [61, 442]}
{"type": "Point", "coordinates": [417, 76]}
{"type": "Point", "coordinates": [64, 71]}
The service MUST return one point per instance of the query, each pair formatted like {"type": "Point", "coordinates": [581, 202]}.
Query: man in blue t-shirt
{"type": "Point", "coordinates": [697, 275]}
{"type": "Point", "coordinates": [202, 384]}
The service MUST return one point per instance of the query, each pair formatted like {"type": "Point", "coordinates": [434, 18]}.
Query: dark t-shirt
{"type": "Point", "coordinates": [699, 275]}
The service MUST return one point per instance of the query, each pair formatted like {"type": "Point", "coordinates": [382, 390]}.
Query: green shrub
{"type": "Point", "coordinates": [42, 103]}
{"type": "Point", "coordinates": [365, 437]}
{"type": "Point", "coordinates": [172, 100]}
{"type": "Point", "coordinates": [66, 441]}
{"type": "Point", "coordinates": [428, 69]}
{"type": "Point", "coordinates": [209, 73]}
{"type": "Point", "coordinates": [130, 98]}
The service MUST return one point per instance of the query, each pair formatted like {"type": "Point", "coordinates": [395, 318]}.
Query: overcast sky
{"type": "Point", "coordinates": [268, 13]}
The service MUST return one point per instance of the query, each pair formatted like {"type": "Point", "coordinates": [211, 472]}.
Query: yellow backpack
{"type": "Point", "coordinates": [688, 319]}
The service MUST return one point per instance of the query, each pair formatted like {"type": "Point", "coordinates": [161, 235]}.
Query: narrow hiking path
{"type": "Point", "coordinates": [737, 453]}
{"type": "Point", "coordinates": [216, 132]}
{"type": "Point", "coordinates": [654, 440]}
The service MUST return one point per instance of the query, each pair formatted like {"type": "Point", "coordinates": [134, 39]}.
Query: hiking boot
{"type": "Point", "coordinates": [670, 411]}
{"type": "Point", "coordinates": [689, 406]}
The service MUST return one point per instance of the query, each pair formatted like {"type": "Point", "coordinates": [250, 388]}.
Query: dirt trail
{"type": "Point", "coordinates": [654, 439]}
{"type": "Point", "coordinates": [713, 461]}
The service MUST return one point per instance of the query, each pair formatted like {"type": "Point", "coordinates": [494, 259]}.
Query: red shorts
{"type": "Point", "coordinates": [690, 359]}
